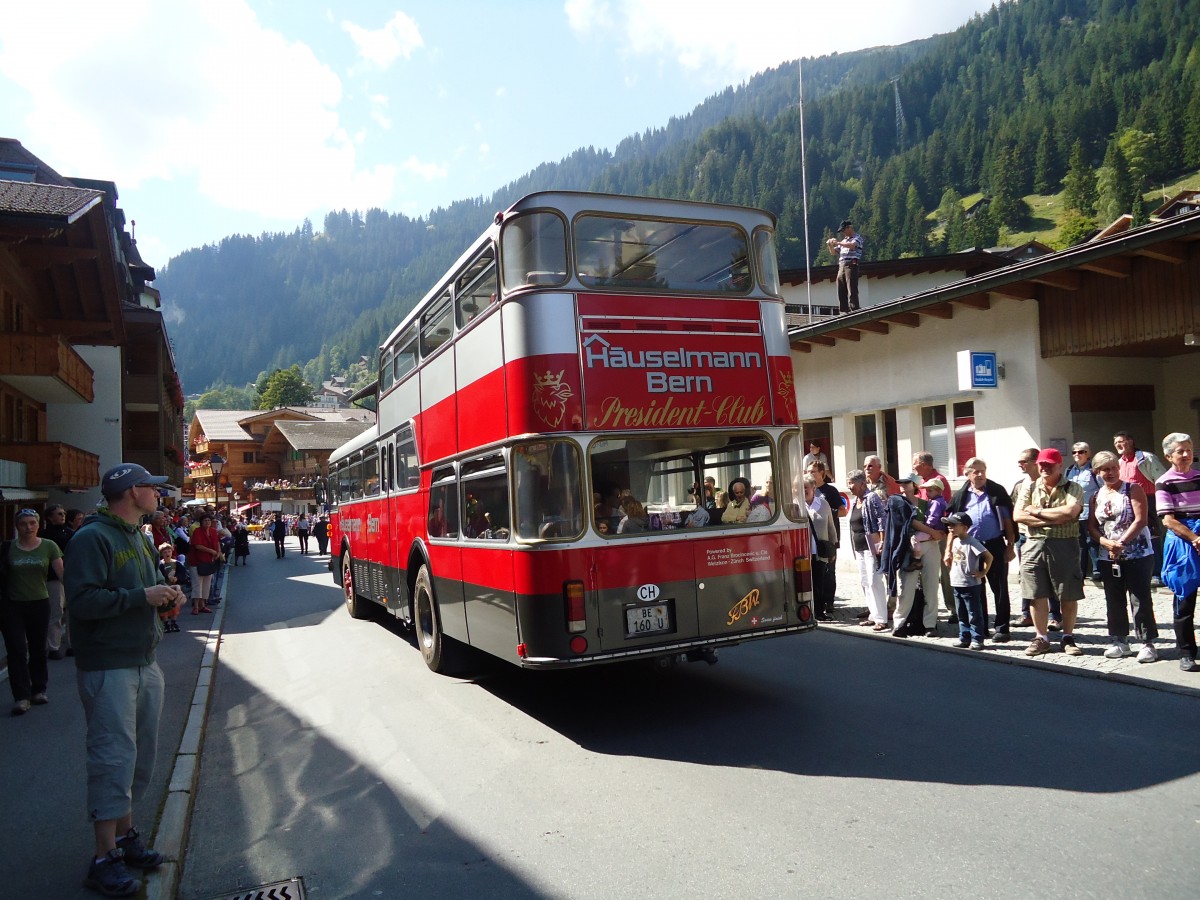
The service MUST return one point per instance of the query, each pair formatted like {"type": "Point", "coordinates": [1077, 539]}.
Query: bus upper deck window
{"type": "Point", "coordinates": [533, 250]}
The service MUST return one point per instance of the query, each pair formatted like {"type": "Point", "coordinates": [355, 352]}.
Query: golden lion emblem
{"type": "Point", "coordinates": [550, 396]}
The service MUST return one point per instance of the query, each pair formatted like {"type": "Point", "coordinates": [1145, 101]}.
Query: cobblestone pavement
{"type": "Point", "coordinates": [1091, 635]}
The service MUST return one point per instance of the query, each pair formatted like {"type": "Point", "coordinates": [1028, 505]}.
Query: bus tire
{"type": "Point", "coordinates": [355, 605]}
{"type": "Point", "coordinates": [427, 624]}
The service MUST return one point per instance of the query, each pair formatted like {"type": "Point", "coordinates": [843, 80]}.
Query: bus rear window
{"type": "Point", "coordinates": [657, 483]}
{"type": "Point", "coordinates": [662, 255]}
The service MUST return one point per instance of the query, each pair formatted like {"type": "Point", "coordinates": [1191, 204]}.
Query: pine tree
{"type": "Point", "coordinates": [1045, 166]}
{"type": "Point", "coordinates": [1079, 185]}
{"type": "Point", "coordinates": [1114, 185]}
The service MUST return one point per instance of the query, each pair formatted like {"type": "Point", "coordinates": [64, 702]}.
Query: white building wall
{"type": "Point", "coordinates": [95, 427]}
{"type": "Point", "coordinates": [911, 368]}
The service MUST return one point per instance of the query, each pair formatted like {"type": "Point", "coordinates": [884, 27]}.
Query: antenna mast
{"type": "Point", "coordinates": [804, 195]}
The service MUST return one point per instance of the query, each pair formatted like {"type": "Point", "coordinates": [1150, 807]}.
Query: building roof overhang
{"type": "Point", "coordinates": [1171, 243]}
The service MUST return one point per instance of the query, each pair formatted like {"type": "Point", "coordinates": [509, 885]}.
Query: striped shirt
{"type": "Point", "coordinates": [1037, 495]}
{"type": "Point", "coordinates": [1178, 493]}
{"type": "Point", "coordinates": [853, 253]}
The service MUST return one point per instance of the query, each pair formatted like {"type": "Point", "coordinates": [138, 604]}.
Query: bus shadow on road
{"type": "Point", "coordinates": [820, 706]}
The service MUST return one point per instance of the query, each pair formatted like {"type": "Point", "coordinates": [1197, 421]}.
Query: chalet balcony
{"type": "Point", "coordinates": [45, 368]}
{"type": "Point", "coordinates": [201, 448]}
{"type": "Point", "coordinates": [53, 464]}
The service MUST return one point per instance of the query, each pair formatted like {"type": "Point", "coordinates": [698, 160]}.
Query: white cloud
{"type": "Point", "coordinates": [379, 111]}
{"type": "Point", "coordinates": [425, 171]}
{"type": "Point", "coordinates": [705, 35]}
{"type": "Point", "coordinates": [383, 46]}
{"type": "Point", "coordinates": [248, 115]}
{"type": "Point", "coordinates": [485, 151]}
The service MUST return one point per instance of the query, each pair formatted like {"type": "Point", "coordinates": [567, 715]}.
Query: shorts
{"type": "Point", "coordinates": [1050, 568]}
{"type": "Point", "coordinates": [122, 708]}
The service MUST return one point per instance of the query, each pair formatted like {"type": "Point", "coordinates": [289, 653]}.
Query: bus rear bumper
{"type": "Point", "coordinates": [672, 649]}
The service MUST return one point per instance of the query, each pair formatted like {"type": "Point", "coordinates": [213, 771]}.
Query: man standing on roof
{"type": "Point", "coordinates": [849, 250]}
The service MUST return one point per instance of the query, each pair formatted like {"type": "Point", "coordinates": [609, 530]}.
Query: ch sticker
{"type": "Point", "coordinates": [743, 606]}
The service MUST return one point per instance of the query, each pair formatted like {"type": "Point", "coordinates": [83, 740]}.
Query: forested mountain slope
{"type": "Point", "coordinates": [1104, 94]}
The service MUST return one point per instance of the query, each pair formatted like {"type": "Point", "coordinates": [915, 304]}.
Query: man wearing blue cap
{"type": "Point", "coordinates": [114, 593]}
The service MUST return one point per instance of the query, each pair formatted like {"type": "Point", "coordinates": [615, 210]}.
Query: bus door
{"type": "Point", "coordinates": [445, 553]}
{"type": "Point", "coordinates": [489, 594]}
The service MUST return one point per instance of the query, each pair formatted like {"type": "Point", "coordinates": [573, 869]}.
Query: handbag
{"type": "Point", "coordinates": [825, 549]}
{"type": "Point", "coordinates": [1181, 563]}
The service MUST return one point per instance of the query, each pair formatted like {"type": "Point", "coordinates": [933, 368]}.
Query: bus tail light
{"type": "Point", "coordinates": [803, 585]}
{"type": "Point", "coordinates": [576, 608]}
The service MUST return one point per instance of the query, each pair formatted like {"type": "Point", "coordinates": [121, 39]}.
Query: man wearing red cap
{"type": "Point", "coordinates": [1049, 509]}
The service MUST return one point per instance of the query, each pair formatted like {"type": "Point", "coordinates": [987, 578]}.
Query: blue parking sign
{"type": "Point", "coordinates": [983, 370]}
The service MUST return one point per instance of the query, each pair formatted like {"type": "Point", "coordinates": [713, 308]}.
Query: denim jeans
{"type": "Point", "coordinates": [1185, 630]}
{"type": "Point", "coordinates": [968, 601]}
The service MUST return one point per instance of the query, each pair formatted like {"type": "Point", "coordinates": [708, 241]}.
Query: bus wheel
{"type": "Point", "coordinates": [427, 623]}
{"type": "Point", "coordinates": [354, 604]}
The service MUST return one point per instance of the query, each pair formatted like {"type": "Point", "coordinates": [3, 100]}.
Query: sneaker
{"type": "Point", "coordinates": [40, 699]}
{"type": "Point", "coordinates": [963, 643]}
{"type": "Point", "coordinates": [1118, 650]}
{"type": "Point", "coordinates": [110, 877]}
{"type": "Point", "coordinates": [1069, 648]}
{"type": "Point", "coordinates": [20, 708]}
{"type": "Point", "coordinates": [1038, 646]}
{"type": "Point", "coordinates": [976, 645]}
{"type": "Point", "coordinates": [1147, 654]}
{"type": "Point", "coordinates": [1001, 637]}
{"type": "Point", "coordinates": [138, 854]}
{"type": "Point", "coordinates": [1187, 663]}
{"type": "Point", "coordinates": [1025, 622]}
{"type": "Point", "coordinates": [1054, 625]}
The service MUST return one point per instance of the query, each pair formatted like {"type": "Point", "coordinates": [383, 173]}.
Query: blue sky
{"type": "Point", "coordinates": [242, 116]}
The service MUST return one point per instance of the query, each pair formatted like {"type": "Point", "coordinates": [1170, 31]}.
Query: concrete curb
{"type": "Point", "coordinates": [171, 830]}
{"type": "Point", "coordinates": [924, 643]}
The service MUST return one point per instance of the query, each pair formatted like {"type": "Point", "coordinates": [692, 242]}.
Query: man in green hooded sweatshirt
{"type": "Point", "coordinates": [114, 593]}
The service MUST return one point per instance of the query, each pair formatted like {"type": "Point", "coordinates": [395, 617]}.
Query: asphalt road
{"type": "Point", "coordinates": [808, 766]}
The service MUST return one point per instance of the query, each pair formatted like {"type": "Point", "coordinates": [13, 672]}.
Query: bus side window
{"type": "Point", "coordinates": [475, 289]}
{"type": "Point", "coordinates": [443, 505]}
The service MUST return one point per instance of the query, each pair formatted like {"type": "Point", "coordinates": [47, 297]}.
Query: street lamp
{"type": "Point", "coordinates": [217, 464]}
{"type": "Point", "coordinates": [229, 497]}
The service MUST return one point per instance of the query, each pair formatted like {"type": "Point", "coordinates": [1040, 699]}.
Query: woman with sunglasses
{"type": "Point", "coordinates": [25, 609]}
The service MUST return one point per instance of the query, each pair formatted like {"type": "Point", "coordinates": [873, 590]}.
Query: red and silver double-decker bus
{"type": "Point", "coordinates": [549, 417]}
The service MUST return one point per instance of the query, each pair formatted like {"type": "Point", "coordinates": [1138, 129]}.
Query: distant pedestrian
{"type": "Point", "coordinates": [58, 640]}
{"type": "Point", "coordinates": [114, 592]}
{"type": "Point", "coordinates": [321, 533]}
{"type": "Point", "coordinates": [27, 564]}
{"type": "Point", "coordinates": [241, 542]}
{"type": "Point", "coordinates": [279, 535]}
{"type": "Point", "coordinates": [302, 530]}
